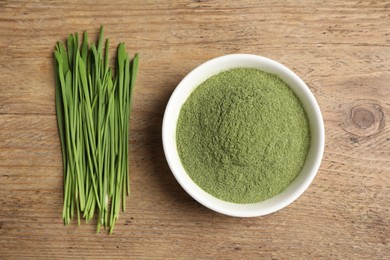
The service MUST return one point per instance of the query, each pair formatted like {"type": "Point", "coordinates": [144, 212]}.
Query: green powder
{"type": "Point", "coordinates": [243, 135]}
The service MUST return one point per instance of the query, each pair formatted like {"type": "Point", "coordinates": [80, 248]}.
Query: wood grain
{"type": "Point", "coordinates": [340, 48]}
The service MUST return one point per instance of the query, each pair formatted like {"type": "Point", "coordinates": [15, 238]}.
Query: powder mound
{"type": "Point", "coordinates": [243, 135]}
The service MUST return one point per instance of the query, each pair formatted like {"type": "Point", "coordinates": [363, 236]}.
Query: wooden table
{"type": "Point", "coordinates": [340, 48]}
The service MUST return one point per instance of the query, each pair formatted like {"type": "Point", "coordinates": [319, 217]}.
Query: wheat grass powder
{"type": "Point", "coordinates": [243, 135]}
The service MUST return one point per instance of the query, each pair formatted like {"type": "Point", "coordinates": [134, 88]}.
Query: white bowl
{"type": "Point", "coordinates": [210, 68]}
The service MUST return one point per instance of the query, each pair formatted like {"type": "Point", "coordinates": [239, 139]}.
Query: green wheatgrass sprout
{"type": "Point", "coordinates": [93, 114]}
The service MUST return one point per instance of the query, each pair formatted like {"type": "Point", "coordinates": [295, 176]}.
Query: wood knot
{"type": "Point", "coordinates": [364, 118]}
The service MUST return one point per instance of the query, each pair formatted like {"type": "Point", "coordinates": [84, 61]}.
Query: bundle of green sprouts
{"type": "Point", "coordinates": [93, 113]}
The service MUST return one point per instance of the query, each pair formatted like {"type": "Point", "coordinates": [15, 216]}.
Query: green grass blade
{"type": "Point", "coordinates": [84, 48]}
{"type": "Point", "coordinates": [60, 118]}
{"type": "Point", "coordinates": [70, 46]}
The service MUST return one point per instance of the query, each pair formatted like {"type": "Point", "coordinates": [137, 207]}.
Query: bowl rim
{"type": "Point", "coordinates": [315, 121]}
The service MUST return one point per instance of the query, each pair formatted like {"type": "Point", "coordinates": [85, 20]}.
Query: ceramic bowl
{"type": "Point", "coordinates": [313, 160]}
